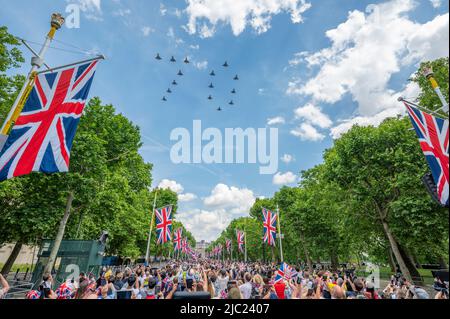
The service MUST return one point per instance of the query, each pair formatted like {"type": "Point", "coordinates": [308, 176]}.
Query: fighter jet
{"type": "Point", "coordinates": [233, 91]}
{"type": "Point", "coordinates": [186, 61]}
{"type": "Point", "coordinates": [169, 90]}
{"type": "Point", "coordinates": [211, 86]}
{"type": "Point", "coordinates": [173, 59]}
{"type": "Point", "coordinates": [174, 82]}
{"type": "Point", "coordinates": [231, 102]}
{"type": "Point", "coordinates": [210, 97]}
{"type": "Point", "coordinates": [180, 73]}
{"type": "Point", "coordinates": [236, 78]}
{"type": "Point", "coordinates": [158, 57]}
{"type": "Point", "coordinates": [219, 109]}
{"type": "Point", "coordinates": [164, 99]}
{"type": "Point", "coordinates": [225, 65]}
{"type": "Point", "coordinates": [212, 73]}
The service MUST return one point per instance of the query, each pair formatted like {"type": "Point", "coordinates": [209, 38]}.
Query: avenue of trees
{"type": "Point", "coordinates": [365, 202]}
{"type": "Point", "coordinates": [108, 187]}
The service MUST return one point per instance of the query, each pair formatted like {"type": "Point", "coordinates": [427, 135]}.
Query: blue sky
{"type": "Point", "coordinates": [310, 68]}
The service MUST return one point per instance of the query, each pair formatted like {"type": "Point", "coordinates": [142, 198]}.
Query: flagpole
{"type": "Point", "coordinates": [147, 254]}
{"type": "Point", "coordinates": [428, 73]}
{"type": "Point", "coordinates": [279, 234]}
{"type": "Point", "coordinates": [56, 23]}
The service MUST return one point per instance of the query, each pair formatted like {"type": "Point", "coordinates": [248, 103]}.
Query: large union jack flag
{"type": "Point", "coordinates": [41, 139]}
{"type": "Point", "coordinates": [164, 224]}
{"type": "Point", "coordinates": [240, 236]}
{"type": "Point", "coordinates": [177, 238]}
{"type": "Point", "coordinates": [433, 137]}
{"type": "Point", "coordinates": [270, 227]}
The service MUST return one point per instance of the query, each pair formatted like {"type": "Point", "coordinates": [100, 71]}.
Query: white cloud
{"type": "Point", "coordinates": [147, 30]}
{"type": "Point", "coordinates": [239, 14]}
{"type": "Point", "coordinates": [224, 204]}
{"type": "Point", "coordinates": [276, 120]}
{"type": "Point", "coordinates": [177, 188]}
{"type": "Point", "coordinates": [162, 9]}
{"type": "Point", "coordinates": [231, 198]}
{"type": "Point", "coordinates": [436, 3]}
{"type": "Point", "coordinates": [172, 185]}
{"type": "Point", "coordinates": [284, 179]}
{"type": "Point", "coordinates": [89, 5]}
{"type": "Point", "coordinates": [307, 132]}
{"type": "Point", "coordinates": [202, 65]}
{"type": "Point", "coordinates": [287, 158]}
{"type": "Point", "coordinates": [205, 224]}
{"type": "Point", "coordinates": [313, 115]}
{"type": "Point", "coordinates": [188, 197]}
{"type": "Point", "coordinates": [194, 47]}
{"type": "Point", "coordinates": [91, 8]}
{"type": "Point", "coordinates": [122, 12]}
{"type": "Point", "coordinates": [365, 52]}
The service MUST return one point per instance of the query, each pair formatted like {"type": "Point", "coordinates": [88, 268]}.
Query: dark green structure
{"type": "Point", "coordinates": [74, 256]}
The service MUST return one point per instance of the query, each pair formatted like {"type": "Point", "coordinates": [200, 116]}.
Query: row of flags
{"type": "Point", "coordinates": [164, 232]}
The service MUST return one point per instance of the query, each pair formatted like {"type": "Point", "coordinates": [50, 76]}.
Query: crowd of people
{"type": "Point", "coordinates": [213, 279]}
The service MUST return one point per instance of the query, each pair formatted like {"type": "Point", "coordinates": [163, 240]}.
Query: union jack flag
{"type": "Point", "coordinates": [42, 137]}
{"type": "Point", "coordinates": [164, 224]}
{"type": "Point", "coordinates": [270, 226]}
{"type": "Point", "coordinates": [65, 291]}
{"type": "Point", "coordinates": [282, 272]}
{"type": "Point", "coordinates": [177, 238]}
{"type": "Point", "coordinates": [33, 294]}
{"type": "Point", "coordinates": [240, 240]}
{"type": "Point", "coordinates": [228, 245]}
{"type": "Point", "coordinates": [433, 137]}
{"type": "Point", "coordinates": [184, 246]}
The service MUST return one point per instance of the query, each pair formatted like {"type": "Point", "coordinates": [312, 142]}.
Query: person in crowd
{"type": "Point", "coordinates": [227, 280]}
{"type": "Point", "coordinates": [4, 287]}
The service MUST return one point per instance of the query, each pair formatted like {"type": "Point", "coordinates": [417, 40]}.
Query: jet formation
{"type": "Point", "coordinates": [211, 86]}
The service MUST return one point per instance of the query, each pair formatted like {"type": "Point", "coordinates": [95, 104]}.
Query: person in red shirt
{"type": "Point", "coordinates": [280, 287]}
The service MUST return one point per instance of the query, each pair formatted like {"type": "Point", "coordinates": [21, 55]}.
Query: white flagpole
{"type": "Point", "coordinates": [147, 254]}
{"type": "Point", "coordinates": [279, 234]}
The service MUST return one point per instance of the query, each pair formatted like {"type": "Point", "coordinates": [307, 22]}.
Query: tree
{"type": "Point", "coordinates": [10, 57]}
{"type": "Point", "coordinates": [381, 169]}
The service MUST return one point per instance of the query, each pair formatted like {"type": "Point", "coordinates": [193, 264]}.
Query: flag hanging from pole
{"type": "Point", "coordinates": [42, 136]}
{"type": "Point", "coordinates": [240, 240]}
{"type": "Point", "coordinates": [269, 226]}
{"type": "Point", "coordinates": [177, 238]}
{"type": "Point", "coordinates": [184, 246]}
{"type": "Point", "coordinates": [434, 139]}
{"type": "Point", "coordinates": [164, 224]}
{"type": "Point", "coordinates": [228, 245]}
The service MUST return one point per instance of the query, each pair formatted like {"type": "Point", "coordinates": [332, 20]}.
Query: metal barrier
{"type": "Point", "coordinates": [18, 289]}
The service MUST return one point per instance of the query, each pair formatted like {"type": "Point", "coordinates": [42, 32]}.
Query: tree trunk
{"type": "Point", "coordinates": [443, 263]}
{"type": "Point", "coordinates": [395, 250]}
{"type": "Point", "coordinates": [334, 260]}
{"type": "Point", "coordinates": [11, 259]}
{"type": "Point", "coordinates": [415, 275]}
{"type": "Point", "coordinates": [59, 237]}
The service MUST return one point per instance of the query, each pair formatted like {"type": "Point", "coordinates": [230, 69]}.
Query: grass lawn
{"type": "Point", "coordinates": [22, 268]}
